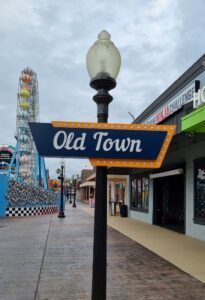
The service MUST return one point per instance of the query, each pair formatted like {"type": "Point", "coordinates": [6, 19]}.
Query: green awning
{"type": "Point", "coordinates": [195, 121]}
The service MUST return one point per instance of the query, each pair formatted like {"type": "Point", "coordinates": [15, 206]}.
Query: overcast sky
{"type": "Point", "coordinates": [158, 40]}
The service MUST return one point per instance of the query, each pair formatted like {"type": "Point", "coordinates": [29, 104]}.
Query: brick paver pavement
{"type": "Point", "coordinates": [46, 258]}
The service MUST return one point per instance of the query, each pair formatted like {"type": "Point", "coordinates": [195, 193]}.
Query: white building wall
{"type": "Point", "coordinates": [111, 180]}
{"type": "Point", "coordinates": [127, 191]}
{"type": "Point", "coordinates": [128, 194]}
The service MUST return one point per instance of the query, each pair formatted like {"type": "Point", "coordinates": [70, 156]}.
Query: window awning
{"type": "Point", "coordinates": [195, 121]}
{"type": "Point", "coordinates": [87, 184]}
{"type": "Point", "coordinates": [166, 173]}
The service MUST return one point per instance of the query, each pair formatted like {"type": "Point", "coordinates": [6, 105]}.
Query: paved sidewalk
{"type": "Point", "coordinates": [46, 258]}
{"type": "Point", "coordinates": [185, 252]}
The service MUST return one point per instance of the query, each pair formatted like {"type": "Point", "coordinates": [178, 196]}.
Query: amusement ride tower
{"type": "Point", "coordinates": [29, 165]}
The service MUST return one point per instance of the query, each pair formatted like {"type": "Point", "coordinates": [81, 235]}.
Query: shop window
{"type": "Point", "coordinates": [199, 197]}
{"type": "Point", "coordinates": [140, 194]}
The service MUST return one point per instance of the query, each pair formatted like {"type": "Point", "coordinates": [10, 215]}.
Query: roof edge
{"type": "Point", "coordinates": [199, 64]}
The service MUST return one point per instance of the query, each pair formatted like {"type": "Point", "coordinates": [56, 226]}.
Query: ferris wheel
{"type": "Point", "coordinates": [27, 111]}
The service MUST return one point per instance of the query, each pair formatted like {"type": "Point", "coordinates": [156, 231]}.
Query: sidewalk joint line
{"type": "Point", "coordinates": [44, 252]}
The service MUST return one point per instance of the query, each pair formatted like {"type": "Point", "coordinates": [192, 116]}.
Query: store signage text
{"type": "Point", "coordinates": [107, 144]}
{"type": "Point", "coordinates": [101, 142]}
{"type": "Point", "coordinates": [199, 98]}
{"type": "Point", "coordinates": [5, 155]}
{"type": "Point", "coordinates": [174, 104]}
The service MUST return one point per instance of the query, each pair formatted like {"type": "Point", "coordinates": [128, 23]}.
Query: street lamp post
{"type": "Point", "coordinates": [61, 177]}
{"type": "Point", "coordinates": [70, 193]}
{"type": "Point", "coordinates": [103, 64]}
{"type": "Point", "coordinates": [74, 191]}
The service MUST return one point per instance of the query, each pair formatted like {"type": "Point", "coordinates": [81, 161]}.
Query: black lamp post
{"type": "Point", "coordinates": [103, 65]}
{"type": "Point", "coordinates": [61, 178]}
{"type": "Point", "coordinates": [70, 193]}
{"type": "Point", "coordinates": [74, 191]}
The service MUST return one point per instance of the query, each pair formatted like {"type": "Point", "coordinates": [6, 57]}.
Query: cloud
{"type": "Point", "coordinates": [158, 41]}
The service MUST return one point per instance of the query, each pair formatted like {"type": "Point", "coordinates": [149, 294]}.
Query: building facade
{"type": "Point", "coordinates": [117, 191]}
{"type": "Point", "coordinates": [174, 195]}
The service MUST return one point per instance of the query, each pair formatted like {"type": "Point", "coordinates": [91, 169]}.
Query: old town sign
{"type": "Point", "coordinates": [117, 145]}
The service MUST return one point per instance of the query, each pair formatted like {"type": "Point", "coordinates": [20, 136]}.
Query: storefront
{"type": "Point", "coordinates": [117, 191]}
{"type": "Point", "coordinates": [87, 190]}
{"type": "Point", "coordinates": [174, 195]}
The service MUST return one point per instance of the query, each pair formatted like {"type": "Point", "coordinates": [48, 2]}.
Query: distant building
{"type": "Point", "coordinates": [117, 190]}
{"type": "Point", "coordinates": [85, 185]}
{"type": "Point", "coordinates": [54, 184]}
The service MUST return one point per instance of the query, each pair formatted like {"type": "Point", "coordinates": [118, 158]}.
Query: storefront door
{"type": "Point", "coordinates": [169, 202]}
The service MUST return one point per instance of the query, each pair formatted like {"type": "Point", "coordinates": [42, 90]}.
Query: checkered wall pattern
{"type": "Point", "coordinates": [30, 211]}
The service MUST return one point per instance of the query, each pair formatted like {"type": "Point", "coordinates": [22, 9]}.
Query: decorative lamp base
{"type": "Point", "coordinates": [61, 214]}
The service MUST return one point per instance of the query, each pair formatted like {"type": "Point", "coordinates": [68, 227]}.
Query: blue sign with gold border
{"type": "Point", "coordinates": [104, 144]}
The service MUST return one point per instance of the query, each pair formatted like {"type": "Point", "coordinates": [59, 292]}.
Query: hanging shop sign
{"type": "Point", "coordinates": [174, 104]}
{"type": "Point", "coordinates": [118, 145]}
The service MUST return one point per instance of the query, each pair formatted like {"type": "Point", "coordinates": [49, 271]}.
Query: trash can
{"type": "Point", "coordinates": [123, 210]}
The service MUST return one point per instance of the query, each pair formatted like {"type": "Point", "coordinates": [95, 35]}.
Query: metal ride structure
{"type": "Point", "coordinates": [30, 167]}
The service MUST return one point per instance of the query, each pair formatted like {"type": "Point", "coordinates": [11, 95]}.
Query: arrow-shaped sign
{"type": "Point", "coordinates": [122, 145]}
